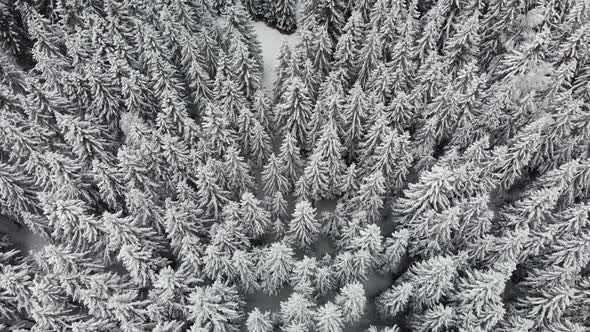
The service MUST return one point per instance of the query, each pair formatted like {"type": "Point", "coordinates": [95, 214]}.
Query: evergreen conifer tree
{"type": "Point", "coordinates": [244, 68]}
{"type": "Point", "coordinates": [238, 23]}
{"type": "Point", "coordinates": [434, 191]}
{"type": "Point", "coordinates": [277, 205]}
{"type": "Point", "coordinates": [375, 134]}
{"type": "Point", "coordinates": [238, 178]}
{"type": "Point", "coordinates": [210, 53]}
{"type": "Point", "coordinates": [246, 122]}
{"type": "Point", "coordinates": [304, 49]}
{"type": "Point", "coordinates": [329, 318]}
{"type": "Point", "coordinates": [310, 78]}
{"type": "Point", "coordinates": [257, 219]}
{"type": "Point", "coordinates": [216, 131]}
{"type": "Point", "coordinates": [283, 16]}
{"type": "Point", "coordinates": [276, 264]}
{"type": "Point", "coordinates": [260, 146]}
{"type": "Point", "coordinates": [308, 12]}
{"type": "Point", "coordinates": [438, 318]}
{"type": "Point", "coordinates": [273, 176]}
{"type": "Point", "coordinates": [329, 152]}
{"type": "Point", "coordinates": [245, 271]}
{"type": "Point", "coordinates": [428, 42]}
{"type": "Point", "coordinates": [294, 111]}
{"type": "Point", "coordinates": [193, 69]}
{"type": "Point", "coordinates": [217, 307]}
{"type": "Point", "coordinates": [349, 183]}
{"type": "Point", "coordinates": [370, 55]}
{"type": "Point", "coordinates": [325, 282]}
{"type": "Point", "coordinates": [218, 264]}
{"type": "Point", "coordinates": [304, 227]}
{"type": "Point", "coordinates": [462, 47]}
{"type": "Point", "coordinates": [231, 100]}
{"type": "Point", "coordinates": [304, 271]}
{"type": "Point", "coordinates": [355, 113]}
{"type": "Point", "coordinates": [282, 71]}
{"type": "Point", "coordinates": [259, 321]}
{"type": "Point", "coordinates": [394, 300]}
{"type": "Point", "coordinates": [220, 5]}
{"type": "Point", "coordinates": [14, 37]}
{"type": "Point", "coordinates": [313, 184]}
{"type": "Point", "coordinates": [345, 56]}
{"type": "Point", "coordinates": [352, 300]}
{"type": "Point", "coordinates": [263, 111]}
{"type": "Point", "coordinates": [370, 239]}
{"type": "Point", "coordinates": [481, 306]}
{"type": "Point", "coordinates": [432, 279]}
{"type": "Point", "coordinates": [322, 57]}
{"type": "Point", "coordinates": [370, 196]}
{"type": "Point", "coordinates": [401, 110]}
{"type": "Point", "coordinates": [381, 80]}
{"type": "Point", "coordinates": [230, 235]}
{"type": "Point", "coordinates": [356, 26]}
{"type": "Point", "coordinates": [395, 249]}
{"type": "Point", "coordinates": [297, 309]}
{"type": "Point", "coordinates": [331, 13]}
{"type": "Point", "coordinates": [255, 8]}
{"type": "Point", "coordinates": [212, 196]}
{"type": "Point", "coordinates": [350, 228]}
{"type": "Point", "coordinates": [351, 266]}
{"type": "Point", "coordinates": [290, 155]}
{"type": "Point", "coordinates": [393, 159]}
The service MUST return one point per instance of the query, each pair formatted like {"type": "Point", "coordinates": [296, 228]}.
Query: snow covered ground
{"type": "Point", "coordinates": [271, 41]}
{"type": "Point", "coordinates": [21, 237]}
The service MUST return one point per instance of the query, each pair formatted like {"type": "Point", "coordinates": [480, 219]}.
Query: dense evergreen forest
{"type": "Point", "coordinates": [418, 165]}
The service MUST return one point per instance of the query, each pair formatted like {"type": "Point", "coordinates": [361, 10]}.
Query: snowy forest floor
{"type": "Point", "coordinates": [271, 41]}
{"type": "Point", "coordinates": [22, 237]}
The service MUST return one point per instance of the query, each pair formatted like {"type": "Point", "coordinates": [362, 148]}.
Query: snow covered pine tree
{"type": "Point", "coordinates": [413, 165]}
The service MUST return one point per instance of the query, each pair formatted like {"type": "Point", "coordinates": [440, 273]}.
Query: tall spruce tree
{"type": "Point", "coordinates": [290, 155]}
{"type": "Point", "coordinates": [304, 227]}
{"type": "Point", "coordinates": [283, 16]}
{"type": "Point", "coordinates": [274, 271]}
{"type": "Point", "coordinates": [329, 151]}
{"type": "Point", "coordinates": [294, 111]}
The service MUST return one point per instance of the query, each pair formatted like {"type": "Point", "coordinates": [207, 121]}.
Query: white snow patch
{"type": "Point", "coordinates": [271, 41]}
{"type": "Point", "coordinates": [22, 238]}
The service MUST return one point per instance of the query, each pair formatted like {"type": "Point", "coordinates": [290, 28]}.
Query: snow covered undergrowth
{"type": "Point", "coordinates": [21, 237]}
{"type": "Point", "coordinates": [271, 41]}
